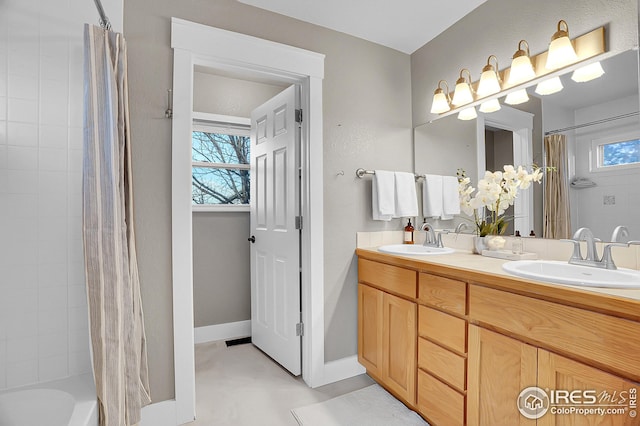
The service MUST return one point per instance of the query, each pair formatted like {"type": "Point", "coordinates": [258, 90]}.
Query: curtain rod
{"type": "Point", "coordinates": [104, 21]}
{"type": "Point", "coordinates": [604, 120]}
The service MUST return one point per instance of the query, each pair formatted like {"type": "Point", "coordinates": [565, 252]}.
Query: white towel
{"type": "Point", "coordinates": [432, 196]}
{"type": "Point", "coordinates": [383, 195]}
{"type": "Point", "coordinates": [450, 197]}
{"type": "Point", "coordinates": [406, 196]}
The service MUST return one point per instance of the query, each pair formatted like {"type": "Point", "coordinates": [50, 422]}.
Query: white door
{"type": "Point", "coordinates": [275, 253]}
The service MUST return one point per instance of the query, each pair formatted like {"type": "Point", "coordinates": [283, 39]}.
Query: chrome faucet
{"type": "Point", "coordinates": [619, 232]}
{"type": "Point", "coordinates": [592, 259]}
{"type": "Point", "coordinates": [461, 227]}
{"type": "Point", "coordinates": [431, 238]}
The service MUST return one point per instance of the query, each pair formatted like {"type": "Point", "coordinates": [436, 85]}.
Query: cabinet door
{"type": "Point", "coordinates": [399, 337]}
{"type": "Point", "coordinates": [370, 329]}
{"type": "Point", "coordinates": [611, 392]}
{"type": "Point", "coordinates": [499, 369]}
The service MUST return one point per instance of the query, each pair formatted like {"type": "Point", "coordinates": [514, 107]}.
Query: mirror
{"type": "Point", "coordinates": [582, 112]}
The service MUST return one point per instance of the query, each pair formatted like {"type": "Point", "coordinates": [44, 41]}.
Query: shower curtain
{"type": "Point", "coordinates": [113, 289]}
{"type": "Point", "coordinates": [557, 214]}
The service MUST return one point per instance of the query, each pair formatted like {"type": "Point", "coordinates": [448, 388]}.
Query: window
{"type": "Point", "coordinates": [616, 153]}
{"type": "Point", "coordinates": [220, 164]}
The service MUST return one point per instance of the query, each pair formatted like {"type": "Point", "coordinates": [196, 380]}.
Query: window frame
{"type": "Point", "coordinates": [596, 156]}
{"type": "Point", "coordinates": [226, 124]}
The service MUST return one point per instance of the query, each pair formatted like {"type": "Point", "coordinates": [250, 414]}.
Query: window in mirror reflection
{"type": "Point", "coordinates": [617, 154]}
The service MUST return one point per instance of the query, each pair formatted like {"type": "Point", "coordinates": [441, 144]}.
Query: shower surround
{"type": "Point", "coordinates": [43, 309]}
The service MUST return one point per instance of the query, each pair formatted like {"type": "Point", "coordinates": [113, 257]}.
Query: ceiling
{"type": "Point", "coordinates": [404, 25]}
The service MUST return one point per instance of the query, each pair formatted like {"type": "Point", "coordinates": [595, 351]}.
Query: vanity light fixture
{"type": "Point", "coordinates": [467, 114]}
{"type": "Point", "coordinates": [441, 102]}
{"type": "Point", "coordinates": [524, 71]}
{"type": "Point", "coordinates": [518, 97]}
{"type": "Point", "coordinates": [462, 94]}
{"type": "Point", "coordinates": [550, 86]}
{"type": "Point", "coordinates": [587, 73]}
{"type": "Point", "coordinates": [490, 106]}
{"type": "Point", "coordinates": [521, 67]}
{"type": "Point", "coordinates": [561, 51]}
{"type": "Point", "coordinates": [489, 80]}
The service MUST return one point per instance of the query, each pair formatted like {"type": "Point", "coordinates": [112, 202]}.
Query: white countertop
{"type": "Point", "coordinates": [466, 260]}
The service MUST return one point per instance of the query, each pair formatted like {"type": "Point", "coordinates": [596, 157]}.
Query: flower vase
{"type": "Point", "coordinates": [479, 244]}
{"type": "Point", "coordinates": [495, 242]}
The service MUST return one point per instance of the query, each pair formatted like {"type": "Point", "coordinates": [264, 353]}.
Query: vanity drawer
{"type": "Point", "coordinates": [402, 282]}
{"type": "Point", "coordinates": [442, 363]}
{"type": "Point", "coordinates": [444, 293]}
{"type": "Point", "coordinates": [438, 402]}
{"type": "Point", "coordinates": [607, 342]}
{"type": "Point", "coordinates": [447, 330]}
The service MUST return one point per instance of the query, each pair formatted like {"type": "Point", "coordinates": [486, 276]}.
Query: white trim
{"type": "Point", "coordinates": [159, 414]}
{"type": "Point", "coordinates": [182, 234]}
{"type": "Point", "coordinates": [220, 208]}
{"type": "Point", "coordinates": [196, 44]}
{"type": "Point", "coordinates": [230, 330]}
{"type": "Point", "coordinates": [220, 118]}
{"type": "Point", "coordinates": [341, 369]}
{"type": "Point", "coordinates": [206, 165]}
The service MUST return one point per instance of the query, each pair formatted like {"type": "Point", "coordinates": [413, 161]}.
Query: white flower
{"type": "Point", "coordinates": [496, 191]}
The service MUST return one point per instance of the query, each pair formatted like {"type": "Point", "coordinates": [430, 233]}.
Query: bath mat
{"type": "Point", "coordinates": [370, 406]}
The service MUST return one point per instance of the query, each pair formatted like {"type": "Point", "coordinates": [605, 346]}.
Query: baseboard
{"type": "Point", "coordinates": [230, 330]}
{"type": "Point", "coordinates": [341, 369]}
{"type": "Point", "coordinates": [159, 414]}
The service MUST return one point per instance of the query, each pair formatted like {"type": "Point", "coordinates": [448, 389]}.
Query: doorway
{"type": "Point", "coordinates": [511, 126]}
{"type": "Point", "coordinates": [242, 55]}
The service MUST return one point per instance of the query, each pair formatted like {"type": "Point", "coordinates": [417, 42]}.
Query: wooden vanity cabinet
{"type": "Point", "coordinates": [442, 349]}
{"type": "Point", "coordinates": [501, 364]}
{"type": "Point", "coordinates": [387, 327]}
{"type": "Point", "coordinates": [499, 369]}
{"type": "Point", "coordinates": [459, 347]}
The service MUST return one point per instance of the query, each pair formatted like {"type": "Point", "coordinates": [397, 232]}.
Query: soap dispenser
{"type": "Point", "coordinates": [408, 233]}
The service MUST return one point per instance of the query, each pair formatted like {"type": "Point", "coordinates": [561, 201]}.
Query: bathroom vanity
{"type": "Point", "coordinates": [457, 339]}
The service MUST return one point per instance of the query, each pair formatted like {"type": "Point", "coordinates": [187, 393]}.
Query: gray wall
{"type": "Point", "coordinates": [229, 96]}
{"type": "Point", "coordinates": [221, 274]}
{"type": "Point", "coordinates": [367, 123]}
{"type": "Point", "coordinates": [495, 28]}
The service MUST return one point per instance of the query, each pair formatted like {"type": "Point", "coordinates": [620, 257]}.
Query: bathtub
{"type": "Point", "coordinates": [66, 402]}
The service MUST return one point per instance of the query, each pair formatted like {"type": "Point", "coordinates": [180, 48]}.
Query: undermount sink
{"type": "Point", "coordinates": [564, 273]}
{"type": "Point", "coordinates": [414, 249]}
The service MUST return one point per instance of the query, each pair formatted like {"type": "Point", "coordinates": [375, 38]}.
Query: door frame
{"type": "Point", "coordinates": [196, 44]}
{"type": "Point", "coordinates": [520, 123]}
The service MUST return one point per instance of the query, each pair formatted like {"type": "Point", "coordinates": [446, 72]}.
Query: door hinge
{"type": "Point", "coordinates": [298, 222]}
{"type": "Point", "coordinates": [299, 329]}
{"type": "Point", "coordinates": [298, 116]}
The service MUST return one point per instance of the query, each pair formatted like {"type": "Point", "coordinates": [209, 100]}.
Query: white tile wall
{"type": "Point", "coordinates": [43, 307]}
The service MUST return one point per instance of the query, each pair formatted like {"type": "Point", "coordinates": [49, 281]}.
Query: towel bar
{"type": "Point", "coordinates": [362, 172]}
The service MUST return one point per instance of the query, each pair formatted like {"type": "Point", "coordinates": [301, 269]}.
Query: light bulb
{"type": "Point", "coordinates": [467, 114]}
{"type": "Point", "coordinates": [587, 73]}
{"type": "Point", "coordinates": [440, 103]}
{"type": "Point", "coordinates": [517, 97]}
{"type": "Point", "coordinates": [561, 52]}
{"type": "Point", "coordinates": [462, 94]}
{"type": "Point", "coordinates": [489, 79]}
{"type": "Point", "coordinates": [548, 87]}
{"type": "Point", "coordinates": [490, 106]}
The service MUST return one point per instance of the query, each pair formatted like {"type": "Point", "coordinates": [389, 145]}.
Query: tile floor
{"type": "Point", "coordinates": [241, 386]}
